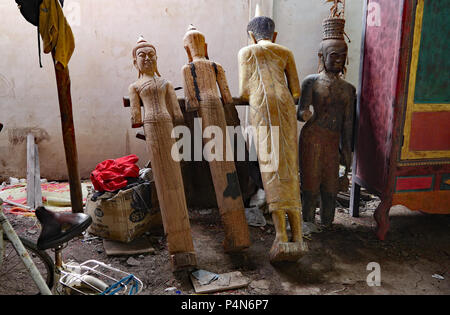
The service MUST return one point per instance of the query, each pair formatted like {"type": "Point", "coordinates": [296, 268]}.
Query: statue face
{"type": "Point", "coordinates": [335, 55]}
{"type": "Point", "coordinates": [146, 60]}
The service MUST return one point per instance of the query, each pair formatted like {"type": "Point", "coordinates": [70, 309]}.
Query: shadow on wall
{"type": "Point", "coordinates": [18, 136]}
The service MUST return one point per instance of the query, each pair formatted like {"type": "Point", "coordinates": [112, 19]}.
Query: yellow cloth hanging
{"type": "Point", "coordinates": [55, 31]}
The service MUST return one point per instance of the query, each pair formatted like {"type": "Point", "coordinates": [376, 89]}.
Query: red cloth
{"type": "Point", "coordinates": [111, 175]}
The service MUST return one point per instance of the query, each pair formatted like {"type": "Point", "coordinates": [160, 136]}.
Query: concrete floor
{"type": "Point", "coordinates": [417, 248]}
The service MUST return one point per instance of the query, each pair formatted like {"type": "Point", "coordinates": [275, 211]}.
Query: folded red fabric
{"type": "Point", "coordinates": [111, 175]}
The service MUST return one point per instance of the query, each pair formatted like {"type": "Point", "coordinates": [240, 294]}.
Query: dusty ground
{"type": "Point", "coordinates": [418, 247]}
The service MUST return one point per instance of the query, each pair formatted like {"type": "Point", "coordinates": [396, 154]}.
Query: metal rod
{"type": "Point", "coordinates": [18, 205]}
{"type": "Point", "coordinates": [22, 252]}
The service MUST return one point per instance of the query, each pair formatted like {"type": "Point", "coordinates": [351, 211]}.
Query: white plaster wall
{"type": "Point", "coordinates": [101, 67]}
{"type": "Point", "coordinates": [299, 26]}
{"type": "Point", "coordinates": [101, 70]}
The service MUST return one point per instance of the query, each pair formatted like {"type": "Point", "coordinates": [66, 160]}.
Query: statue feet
{"type": "Point", "coordinates": [290, 251]}
{"type": "Point", "coordinates": [183, 261]}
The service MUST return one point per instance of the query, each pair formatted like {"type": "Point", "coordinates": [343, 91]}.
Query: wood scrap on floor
{"type": "Point", "coordinates": [224, 282]}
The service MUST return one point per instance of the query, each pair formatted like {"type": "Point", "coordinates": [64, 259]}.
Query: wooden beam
{"type": "Point", "coordinates": [34, 192]}
{"type": "Point", "coordinates": [68, 132]}
{"type": "Point", "coordinates": [37, 179]}
{"type": "Point", "coordinates": [31, 165]}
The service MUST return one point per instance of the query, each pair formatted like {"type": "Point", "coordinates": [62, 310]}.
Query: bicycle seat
{"type": "Point", "coordinates": [59, 228]}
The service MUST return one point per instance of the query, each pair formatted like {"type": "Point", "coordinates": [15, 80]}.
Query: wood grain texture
{"type": "Point", "coordinates": [430, 131]}
{"type": "Point", "coordinates": [33, 191]}
{"type": "Point", "coordinates": [268, 80]}
{"type": "Point", "coordinates": [68, 132]}
{"type": "Point", "coordinates": [198, 184]}
{"type": "Point", "coordinates": [262, 72]}
{"type": "Point", "coordinates": [161, 113]}
{"type": "Point", "coordinates": [206, 87]}
{"type": "Point", "coordinates": [436, 202]}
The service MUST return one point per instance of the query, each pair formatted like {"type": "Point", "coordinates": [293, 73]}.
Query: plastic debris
{"type": "Point", "coordinates": [146, 174]}
{"type": "Point", "coordinates": [170, 289]}
{"type": "Point", "coordinates": [255, 217]}
{"type": "Point", "coordinates": [205, 277]}
{"type": "Point", "coordinates": [205, 212]}
{"type": "Point", "coordinates": [224, 282]}
{"type": "Point", "coordinates": [258, 199]}
{"type": "Point", "coordinates": [439, 277]}
{"type": "Point", "coordinates": [14, 181]}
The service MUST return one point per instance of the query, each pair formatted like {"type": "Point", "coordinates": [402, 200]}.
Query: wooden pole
{"type": "Point", "coordinates": [68, 132]}
{"type": "Point", "coordinates": [34, 192]}
{"type": "Point", "coordinates": [31, 165]}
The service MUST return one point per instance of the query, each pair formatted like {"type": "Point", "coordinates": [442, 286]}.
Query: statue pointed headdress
{"type": "Point", "coordinates": [193, 34]}
{"type": "Point", "coordinates": [334, 25]}
{"type": "Point", "coordinates": [194, 38]}
{"type": "Point", "coordinates": [334, 28]}
{"type": "Point", "coordinates": [141, 43]}
{"type": "Point", "coordinates": [258, 10]}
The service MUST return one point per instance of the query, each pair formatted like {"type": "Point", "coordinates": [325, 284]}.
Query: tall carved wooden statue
{"type": "Point", "coordinates": [269, 82]}
{"type": "Point", "coordinates": [162, 111]}
{"type": "Point", "coordinates": [201, 79]}
{"type": "Point", "coordinates": [326, 139]}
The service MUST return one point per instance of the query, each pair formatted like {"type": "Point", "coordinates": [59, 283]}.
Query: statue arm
{"type": "Point", "coordinates": [173, 106]}
{"type": "Point", "coordinates": [244, 75]}
{"type": "Point", "coordinates": [292, 77]}
{"type": "Point", "coordinates": [223, 86]}
{"type": "Point", "coordinates": [135, 105]}
{"type": "Point", "coordinates": [303, 113]}
{"type": "Point", "coordinates": [192, 103]}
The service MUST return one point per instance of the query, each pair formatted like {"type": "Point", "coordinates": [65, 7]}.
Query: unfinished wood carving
{"type": "Point", "coordinates": [162, 111]}
{"type": "Point", "coordinates": [201, 79]}
{"type": "Point", "coordinates": [264, 68]}
{"type": "Point", "coordinates": [327, 136]}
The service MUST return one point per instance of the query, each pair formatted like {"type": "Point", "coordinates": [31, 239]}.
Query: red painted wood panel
{"type": "Point", "coordinates": [437, 202]}
{"type": "Point", "coordinates": [430, 131]}
{"type": "Point", "coordinates": [414, 183]}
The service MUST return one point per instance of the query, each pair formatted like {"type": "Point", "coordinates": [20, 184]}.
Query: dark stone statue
{"type": "Point", "coordinates": [326, 139]}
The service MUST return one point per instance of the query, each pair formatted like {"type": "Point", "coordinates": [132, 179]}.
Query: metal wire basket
{"type": "Point", "coordinates": [96, 278]}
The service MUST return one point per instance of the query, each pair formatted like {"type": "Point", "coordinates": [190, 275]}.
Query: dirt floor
{"type": "Point", "coordinates": [417, 248]}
